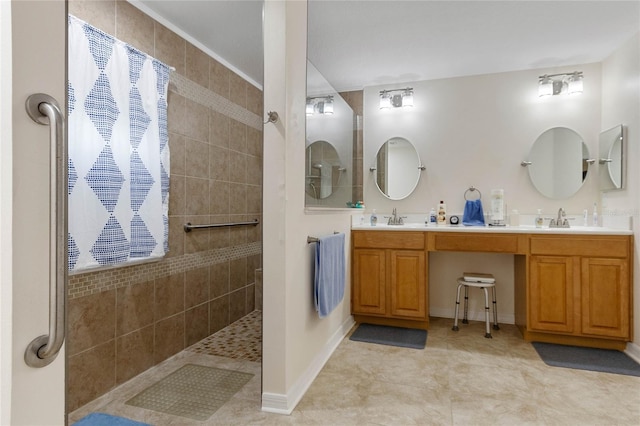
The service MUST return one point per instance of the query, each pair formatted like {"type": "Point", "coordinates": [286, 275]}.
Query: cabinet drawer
{"type": "Point", "coordinates": [475, 242]}
{"type": "Point", "coordinates": [609, 246]}
{"type": "Point", "coordinates": [390, 239]}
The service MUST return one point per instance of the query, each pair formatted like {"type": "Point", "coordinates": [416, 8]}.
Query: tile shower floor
{"type": "Point", "coordinates": [460, 378]}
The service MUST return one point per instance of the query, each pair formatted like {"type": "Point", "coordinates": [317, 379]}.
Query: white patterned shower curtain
{"type": "Point", "coordinates": [118, 151]}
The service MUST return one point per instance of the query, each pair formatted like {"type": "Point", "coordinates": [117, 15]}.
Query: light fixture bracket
{"type": "Point", "coordinates": [560, 83]}
{"type": "Point", "coordinates": [396, 98]}
{"type": "Point", "coordinates": [320, 105]}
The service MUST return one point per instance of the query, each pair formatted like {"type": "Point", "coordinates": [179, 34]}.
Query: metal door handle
{"type": "Point", "coordinates": [44, 109]}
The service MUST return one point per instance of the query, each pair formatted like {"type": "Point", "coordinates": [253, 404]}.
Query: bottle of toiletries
{"type": "Point", "coordinates": [432, 217]}
{"type": "Point", "coordinates": [442, 213]}
{"type": "Point", "coordinates": [585, 217]}
{"type": "Point", "coordinates": [539, 219]}
{"type": "Point", "coordinates": [595, 214]}
{"type": "Point", "coordinates": [374, 218]}
{"type": "Point", "coordinates": [497, 206]}
{"type": "Point", "coordinates": [514, 218]}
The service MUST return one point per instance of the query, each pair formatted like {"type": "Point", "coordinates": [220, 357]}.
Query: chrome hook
{"type": "Point", "coordinates": [273, 117]}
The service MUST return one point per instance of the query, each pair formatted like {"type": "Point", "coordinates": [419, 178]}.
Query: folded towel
{"type": "Point", "coordinates": [473, 215]}
{"type": "Point", "coordinates": [329, 279]}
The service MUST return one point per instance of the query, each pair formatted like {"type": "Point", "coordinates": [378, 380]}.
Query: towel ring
{"type": "Point", "coordinates": [472, 189]}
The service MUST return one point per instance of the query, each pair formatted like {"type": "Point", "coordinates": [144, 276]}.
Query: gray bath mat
{"type": "Point", "coordinates": [392, 336]}
{"type": "Point", "coordinates": [603, 360]}
{"type": "Point", "coordinates": [193, 391]}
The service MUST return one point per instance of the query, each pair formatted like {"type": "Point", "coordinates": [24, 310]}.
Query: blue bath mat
{"type": "Point", "coordinates": [603, 360]}
{"type": "Point", "coordinates": [391, 336]}
{"type": "Point", "coordinates": [101, 419]}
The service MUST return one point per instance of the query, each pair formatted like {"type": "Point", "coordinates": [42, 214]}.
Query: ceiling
{"type": "Point", "coordinates": [363, 43]}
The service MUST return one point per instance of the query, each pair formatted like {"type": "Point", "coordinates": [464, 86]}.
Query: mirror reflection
{"type": "Point", "coordinates": [558, 163]}
{"type": "Point", "coordinates": [330, 142]}
{"type": "Point", "coordinates": [611, 159]}
{"type": "Point", "coordinates": [323, 170]}
{"type": "Point", "coordinates": [397, 169]}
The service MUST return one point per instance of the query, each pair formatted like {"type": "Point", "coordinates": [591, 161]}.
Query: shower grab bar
{"type": "Point", "coordinates": [188, 226]}
{"type": "Point", "coordinates": [43, 109]}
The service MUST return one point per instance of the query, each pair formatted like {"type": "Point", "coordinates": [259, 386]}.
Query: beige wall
{"type": "Point", "coordinates": [296, 342]}
{"type": "Point", "coordinates": [621, 105]}
{"type": "Point", "coordinates": [125, 320]}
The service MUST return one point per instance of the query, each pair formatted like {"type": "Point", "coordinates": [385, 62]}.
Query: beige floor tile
{"type": "Point", "coordinates": [460, 378]}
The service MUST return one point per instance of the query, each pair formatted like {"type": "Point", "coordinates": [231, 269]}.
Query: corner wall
{"type": "Point", "coordinates": [621, 105]}
{"type": "Point", "coordinates": [296, 342]}
{"type": "Point", "coordinates": [125, 320]}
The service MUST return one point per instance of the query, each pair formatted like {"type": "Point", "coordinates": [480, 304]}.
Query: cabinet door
{"type": "Point", "coordinates": [408, 284]}
{"type": "Point", "coordinates": [605, 297]}
{"type": "Point", "coordinates": [550, 297]}
{"type": "Point", "coordinates": [369, 282]}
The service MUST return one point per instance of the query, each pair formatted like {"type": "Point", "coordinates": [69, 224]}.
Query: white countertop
{"type": "Point", "coordinates": [523, 229]}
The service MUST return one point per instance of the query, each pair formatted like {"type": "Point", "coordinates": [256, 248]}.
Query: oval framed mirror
{"type": "Point", "coordinates": [612, 159]}
{"type": "Point", "coordinates": [397, 169]}
{"type": "Point", "coordinates": [322, 170]}
{"type": "Point", "coordinates": [558, 163]}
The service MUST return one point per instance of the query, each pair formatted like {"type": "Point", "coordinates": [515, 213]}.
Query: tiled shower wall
{"type": "Point", "coordinates": [125, 320]}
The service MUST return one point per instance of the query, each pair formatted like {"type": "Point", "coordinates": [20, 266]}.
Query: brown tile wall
{"type": "Point", "coordinates": [125, 320]}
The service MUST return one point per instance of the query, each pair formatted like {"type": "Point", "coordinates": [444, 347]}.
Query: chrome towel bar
{"type": "Point", "coordinates": [315, 239]}
{"type": "Point", "coordinates": [188, 226]}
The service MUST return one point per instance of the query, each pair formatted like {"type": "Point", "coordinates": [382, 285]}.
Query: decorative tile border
{"type": "Point", "coordinates": [98, 281]}
{"type": "Point", "coordinates": [196, 93]}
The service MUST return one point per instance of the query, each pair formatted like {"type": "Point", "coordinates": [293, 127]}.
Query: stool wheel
{"type": "Point", "coordinates": [455, 328]}
{"type": "Point", "coordinates": [488, 336]}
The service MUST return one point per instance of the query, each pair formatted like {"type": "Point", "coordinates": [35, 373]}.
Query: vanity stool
{"type": "Point", "coordinates": [483, 281]}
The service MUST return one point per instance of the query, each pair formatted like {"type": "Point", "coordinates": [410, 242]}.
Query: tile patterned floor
{"type": "Point", "coordinates": [240, 340]}
{"type": "Point", "coordinates": [460, 378]}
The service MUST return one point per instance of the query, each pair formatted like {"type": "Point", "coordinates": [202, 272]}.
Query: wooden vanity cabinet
{"type": "Point", "coordinates": [389, 282]}
{"type": "Point", "coordinates": [580, 286]}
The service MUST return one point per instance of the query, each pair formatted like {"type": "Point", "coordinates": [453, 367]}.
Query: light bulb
{"type": "Point", "coordinates": [385, 100]}
{"type": "Point", "coordinates": [407, 98]}
{"type": "Point", "coordinates": [328, 106]}
{"type": "Point", "coordinates": [575, 84]}
{"type": "Point", "coordinates": [545, 88]}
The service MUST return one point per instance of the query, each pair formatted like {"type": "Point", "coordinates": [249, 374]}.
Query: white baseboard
{"type": "Point", "coordinates": [633, 350]}
{"type": "Point", "coordinates": [284, 404]}
{"type": "Point", "coordinates": [472, 315]}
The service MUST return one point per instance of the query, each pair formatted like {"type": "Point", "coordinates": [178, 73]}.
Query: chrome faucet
{"type": "Point", "coordinates": [561, 221]}
{"type": "Point", "coordinates": [394, 219]}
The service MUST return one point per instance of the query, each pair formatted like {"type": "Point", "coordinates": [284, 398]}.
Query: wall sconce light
{"type": "Point", "coordinates": [555, 84]}
{"type": "Point", "coordinates": [319, 105]}
{"type": "Point", "coordinates": [396, 98]}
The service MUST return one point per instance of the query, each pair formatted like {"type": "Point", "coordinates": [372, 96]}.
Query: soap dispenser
{"type": "Point", "coordinates": [374, 218]}
{"type": "Point", "coordinates": [539, 219]}
{"type": "Point", "coordinates": [433, 217]}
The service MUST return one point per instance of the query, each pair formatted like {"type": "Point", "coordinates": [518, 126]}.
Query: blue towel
{"type": "Point", "coordinates": [101, 419]}
{"type": "Point", "coordinates": [473, 215]}
{"type": "Point", "coordinates": [328, 285]}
